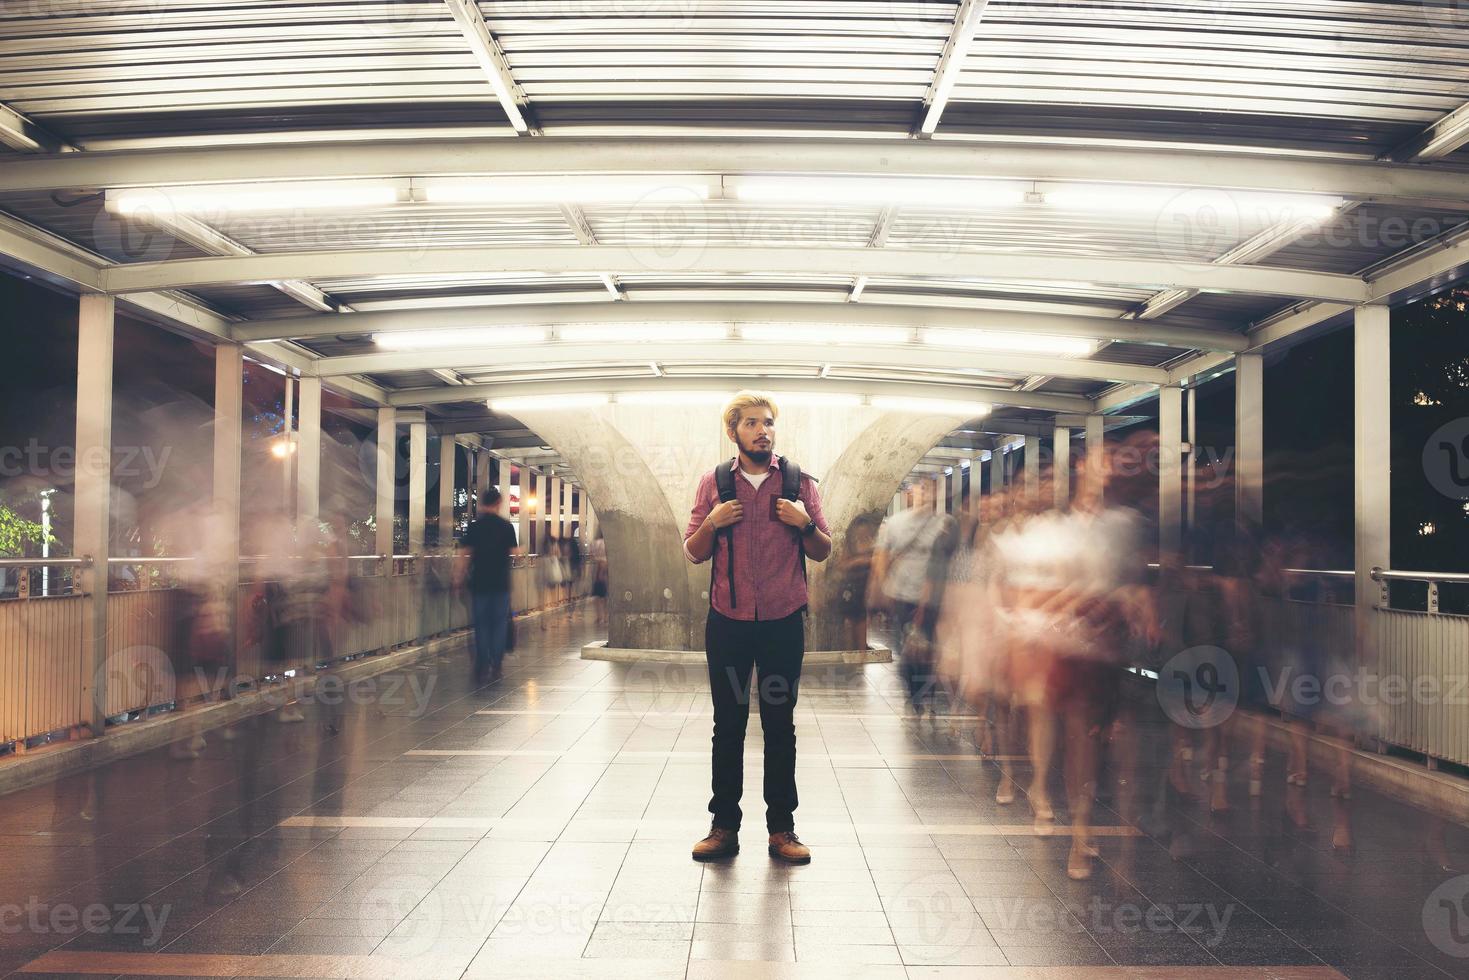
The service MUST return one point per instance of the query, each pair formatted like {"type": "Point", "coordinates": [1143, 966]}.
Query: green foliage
{"type": "Point", "coordinates": [16, 532]}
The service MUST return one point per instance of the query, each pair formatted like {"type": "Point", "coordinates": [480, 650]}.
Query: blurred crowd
{"type": "Point", "coordinates": [1079, 651]}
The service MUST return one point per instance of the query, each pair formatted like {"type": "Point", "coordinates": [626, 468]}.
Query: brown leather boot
{"type": "Point", "coordinates": [788, 847]}
{"type": "Point", "coordinates": [720, 843]}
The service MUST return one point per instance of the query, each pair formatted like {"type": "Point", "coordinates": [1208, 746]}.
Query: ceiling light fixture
{"type": "Point", "coordinates": [1013, 342]}
{"type": "Point", "coordinates": [467, 337]}
{"type": "Point", "coordinates": [233, 198]}
{"type": "Point", "coordinates": [931, 406]}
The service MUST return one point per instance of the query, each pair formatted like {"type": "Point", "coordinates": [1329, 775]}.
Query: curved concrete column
{"type": "Point", "coordinates": [861, 482]}
{"type": "Point", "coordinates": [647, 574]}
{"type": "Point", "coordinates": [640, 466]}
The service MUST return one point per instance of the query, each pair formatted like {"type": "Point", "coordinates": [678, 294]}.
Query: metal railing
{"type": "Point", "coordinates": [1433, 581]}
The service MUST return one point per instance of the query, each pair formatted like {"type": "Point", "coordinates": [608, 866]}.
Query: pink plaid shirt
{"type": "Point", "coordinates": [768, 579]}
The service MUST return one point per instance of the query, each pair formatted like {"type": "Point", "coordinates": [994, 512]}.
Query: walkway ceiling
{"type": "Point", "coordinates": [1049, 209]}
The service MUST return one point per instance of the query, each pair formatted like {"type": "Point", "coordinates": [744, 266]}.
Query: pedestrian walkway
{"type": "Point", "coordinates": [541, 826]}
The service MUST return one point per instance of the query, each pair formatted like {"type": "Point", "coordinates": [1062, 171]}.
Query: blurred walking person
{"type": "Point", "coordinates": [491, 542]}
{"type": "Point", "coordinates": [910, 568]}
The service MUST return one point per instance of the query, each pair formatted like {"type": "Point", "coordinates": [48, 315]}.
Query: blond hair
{"type": "Point", "coordinates": [743, 400]}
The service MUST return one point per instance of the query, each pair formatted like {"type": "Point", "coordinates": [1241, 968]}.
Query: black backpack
{"type": "Point", "coordinates": [790, 489]}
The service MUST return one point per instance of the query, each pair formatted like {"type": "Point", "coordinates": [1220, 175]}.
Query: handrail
{"type": "Point", "coordinates": [1386, 575]}
{"type": "Point", "coordinates": [150, 561]}
{"type": "Point", "coordinates": [83, 562]}
{"type": "Point", "coordinates": [1328, 572]}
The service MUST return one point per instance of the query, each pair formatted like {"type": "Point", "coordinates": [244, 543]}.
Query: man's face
{"type": "Point", "coordinates": [755, 433]}
{"type": "Point", "coordinates": [923, 495]}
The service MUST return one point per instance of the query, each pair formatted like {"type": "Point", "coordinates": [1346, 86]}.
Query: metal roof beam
{"type": "Point", "coordinates": [1441, 138]}
{"type": "Point", "coordinates": [1036, 400]}
{"type": "Point", "coordinates": [596, 259]}
{"type": "Point", "coordinates": [654, 311]}
{"type": "Point", "coordinates": [189, 229]}
{"type": "Point", "coordinates": [1379, 181]}
{"type": "Point", "coordinates": [492, 61]}
{"type": "Point", "coordinates": [899, 357]}
{"type": "Point", "coordinates": [20, 132]}
{"type": "Point", "coordinates": [951, 63]}
{"type": "Point", "coordinates": [1264, 243]}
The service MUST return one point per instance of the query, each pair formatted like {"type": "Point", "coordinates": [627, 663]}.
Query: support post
{"type": "Point", "coordinates": [417, 484]}
{"type": "Point", "coordinates": [1191, 461]}
{"type": "Point", "coordinates": [1170, 474]}
{"type": "Point", "coordinates": [288, 437]}
{"type": "Point", "coordinates": [387, 480]}
{"type": "Point", "coordinates": [553, 508]}
{"type": "Point", "coordinates": [568, 518]}
{"type": "Point", "coordinates": [1373, 470]}
{"type": "Point", "coordinates": [229, 419]}
{"type": "Point", "coordinates": [447, 460]}
{"type": "Point", "coordinates": [482, 476]}
{"type": "Point", "coordinates": [499, 471]}
{"type": "Point", "coordinates": [1032, 469]}
{"type": "Point", "coordinates": [527, 506]}
{"type": "Point", "coordinates": [1061, 467]}
{"type": "Point", "coordinates": [1249, 440]}
{"type": "Point", "coordinates": [93, 495]}
{"type": "Point", "coordinates": [1095, 452]}
{"type": "Point", "coordinates": [308, 460]}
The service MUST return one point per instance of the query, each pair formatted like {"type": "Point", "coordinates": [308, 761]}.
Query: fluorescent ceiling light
{"type": "Point", "coordinates": [546, 403]}
{"type": "Point", "coordinates": [672, 398]}
{"type": "Point", "coordinates": [1010, 342]}
{"type": "Point", "coordinates": [564, 190]}
{"type": "Point", "coordinates": [804, 333]}
{"type": "Point", "coordinates": [644, 332]}
{"type": "Point", "coordinates": [467, 337]}
{"type": "Point", "coordinates": [931, 406]}
{"type": "Point", "coordinates": [957, 194]}
{"type": "Point", "coordinates": [229, 198]}
{"type": "Point", "coordinates": [818, 399]}
{"type": "Point", "coordinates": [1207, 204]}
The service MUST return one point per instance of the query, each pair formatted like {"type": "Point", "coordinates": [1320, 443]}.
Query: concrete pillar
{"type": "Point", "coordinates": [288, 437]}
{"type": "Point", "coordinates": [956, 488]}
{"type": "Point", "coordinates": [552, 510]}
{"type": "Point", "coordinates": [482, 464]}
{"type": "Point", "coordinates": [568, 518]}
{"type": "Point", "coordinates": [499, 470]}
{"type": "Point", "coordinates": [93, 495]}
{"type": "Point", "coordinates": [308, 460]}
{"type": "Point", "coordinates": [1191, 462]}
{"type": "Point", "coordinates": [527, 506]}
{"type": "Point", "coordinates": [1095, 448]}
{"type": "Point", "coordinates": [417, 484]}
{"type": "Point", "coordinates": [387, 479]}
{"type": "Point", "coordinates": [1061, 468]}
{"type": "Point", "coordinates": [446, 493]}
{"type": "Point", "coordinates": [1032, 468]}
{"type": "Point", "coordinates": [229, 405]}
{"type": "Point", "coordinates": [1249, 438]}
{"type": "Point", "coordinates": [1373, 471]}
{"type": "Point", "coordinates": [1170, 473]}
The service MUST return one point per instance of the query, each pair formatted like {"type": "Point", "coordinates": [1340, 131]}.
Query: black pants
{"type": "Point", "coordinates": [776, 648]}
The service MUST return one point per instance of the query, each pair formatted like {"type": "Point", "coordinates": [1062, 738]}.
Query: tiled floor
{"type": "Point", "coordinates": [541, 828]}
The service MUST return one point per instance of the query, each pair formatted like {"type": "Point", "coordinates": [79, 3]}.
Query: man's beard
{"type": "Point", "coordinates": [760, 456]}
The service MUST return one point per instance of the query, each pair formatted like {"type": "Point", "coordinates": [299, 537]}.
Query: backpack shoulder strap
{"type": "Point", "coordinates": [724, 480]}
{"type": "Point", "coordinates": [724, 484]}
{"type": "Point", "coordinates": [790, 476]}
